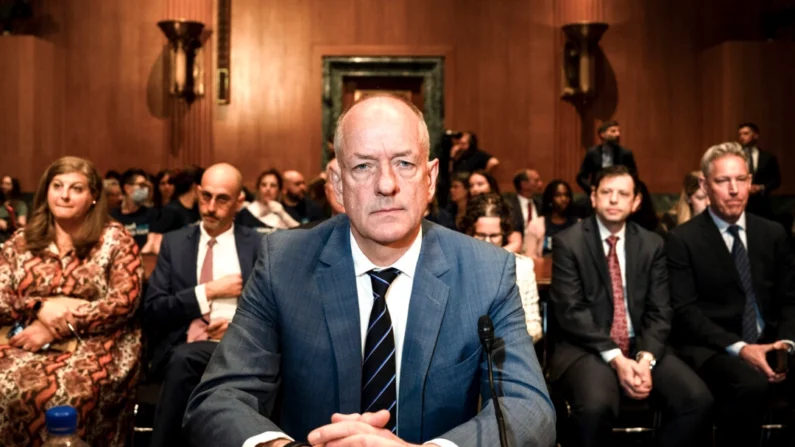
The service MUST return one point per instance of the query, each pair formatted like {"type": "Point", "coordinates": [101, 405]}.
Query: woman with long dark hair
{"type": "Point", "coordinates": [557, 214]}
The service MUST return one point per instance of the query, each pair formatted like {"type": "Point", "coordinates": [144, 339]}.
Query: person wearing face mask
{"type": "Point", "coordinates": [137, 218]}
{"type": "Point", "coordinates": [608, 153]}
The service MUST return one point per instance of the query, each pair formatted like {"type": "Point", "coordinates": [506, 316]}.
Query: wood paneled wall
{"type": "Point", "coordinates": [502, 80]}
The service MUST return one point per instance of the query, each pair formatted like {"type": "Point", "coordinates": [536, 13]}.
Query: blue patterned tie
{"type": "Point", "coordinates": [379, 387]}
{"type": "Point", "coordinates": [740, 257]}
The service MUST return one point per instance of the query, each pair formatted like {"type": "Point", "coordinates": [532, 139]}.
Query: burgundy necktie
{"type": "Point", "coordinates": [619, 332]}
{"type": "Point", "coordinates": [529, 211]}
{"type": "Point", "coordinates": [198, 327]}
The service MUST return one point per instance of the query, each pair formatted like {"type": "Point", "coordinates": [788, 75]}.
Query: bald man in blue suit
{"type": "Point", "coordinates": [304, 326]}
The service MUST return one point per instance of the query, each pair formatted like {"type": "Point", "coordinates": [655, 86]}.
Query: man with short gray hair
{"type": "Point", "coordinates": [732, 281]}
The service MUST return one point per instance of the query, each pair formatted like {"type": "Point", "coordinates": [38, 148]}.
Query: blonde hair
{"type": "Point", "coordinates": [40, 230]}
{"type": "Point", "coordinates": [422, 127]}
{"type": "Point", "coordinates": [719, 151]}
{"type": "Point", "coordinates": [683, 210]}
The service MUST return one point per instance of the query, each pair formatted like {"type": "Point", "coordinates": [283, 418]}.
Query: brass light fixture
{"type": "Point", "coordinates": [579, 58]}
{"type": "Point", "coordinates": [186, 74]}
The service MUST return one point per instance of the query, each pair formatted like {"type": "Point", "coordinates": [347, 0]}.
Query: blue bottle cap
{"type": "Point", "coordinates": [61, 420]}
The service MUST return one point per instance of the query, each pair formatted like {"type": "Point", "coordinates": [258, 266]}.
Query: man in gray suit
{"type": "Point", "coordinates": [366, 325]}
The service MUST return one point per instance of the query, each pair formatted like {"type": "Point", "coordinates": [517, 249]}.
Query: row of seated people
{"type": "Point", "coordinates": [75, 278]}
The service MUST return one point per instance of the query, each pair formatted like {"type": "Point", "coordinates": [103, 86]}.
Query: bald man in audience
{"type": "Point", "coordinates": [295, 201]}
{"type": "Point", "coordinates": [192, 295]}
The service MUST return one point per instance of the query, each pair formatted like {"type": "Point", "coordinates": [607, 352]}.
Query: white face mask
{"type": "Point", "coordinates": [140, 195]}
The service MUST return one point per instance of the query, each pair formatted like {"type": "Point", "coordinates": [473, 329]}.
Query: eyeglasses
{"type": "Point", "coordinates": [220, 199]}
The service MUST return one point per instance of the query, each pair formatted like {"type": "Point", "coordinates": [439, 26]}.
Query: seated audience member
{"type": "Point", "coordinates": [294, 199]}
{"type": "Point", "coordinates": [112, 174]}
{"type": "Point", "coordinates": [608, 153]}
{"type": "Point", "coordinates": [13, 203]}
{"type": "Point", "coordinates": [164, 189]}
{"type": "Point", "coordinates": [611, 315]}
{"type": "Point", "coordinates": [488, 218]}
{"type": "Point", "coordinates": [527, 184]}
{"type": "Point", "coordinates": [182, 210]}
{"type": "Point", "coordinates": [466, 156]}
{"type": "Point", "coordinates": [693, 201]}
{"type": "Point", "coordinates": [72, 279]}
{"type": "Point", "coordinates": [733, 289]}
{"type": "Point", "coordinates": [557, 214]}
{"type": "Point", "coordinates": [646, 214]}
{"type": "Point", "coordinates": [459, 194]}
{"type": "Point", "coordinates": [439, 215]}
{"type": "Point", "coordinates": [266, 213]}
{"type": "Point", "coordinates": [481, 182]}
{"type": "Point", "coordinates": [764, 169]}
{"type": "Point", "coordinates": [139, 220]}
{"type": "Point", "coordinates": [316, 191]}
{"type": "Point", "coordinates": [113, 193]}
{"type": "Point", "coordinates": [192, 296]}
{"type": "Point", "coordinates": [313, 325]}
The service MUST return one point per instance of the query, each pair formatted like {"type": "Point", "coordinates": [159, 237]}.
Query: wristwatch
{"type": "Point", "coordinates": [647, 355]}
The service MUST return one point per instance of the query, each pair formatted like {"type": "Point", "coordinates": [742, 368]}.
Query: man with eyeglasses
{"type": "Point", "coordinates": [192, 295]}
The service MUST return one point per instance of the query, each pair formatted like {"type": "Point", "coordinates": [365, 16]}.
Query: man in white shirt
{"type": "Point", "coordinates": [733, 288]}
{"type": "Point", "coordinates": [369, 331]}
{"type": "Point", "coordinates": [610, 317]}
{"type": "Point", "coordinates": [192, 295]}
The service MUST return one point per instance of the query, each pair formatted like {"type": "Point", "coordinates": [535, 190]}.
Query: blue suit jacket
{"type": "Point", "coordinates": [170, 301]}
{"type": "Point", "coordinates": [297, 331]}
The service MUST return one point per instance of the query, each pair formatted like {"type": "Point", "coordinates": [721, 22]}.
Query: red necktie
{"type": "Point", "coordinates": [619, 332]}
{"type": "Point", "coordinates": [529, 211]}
{"type": "Point", "coordinates": [198, 328]}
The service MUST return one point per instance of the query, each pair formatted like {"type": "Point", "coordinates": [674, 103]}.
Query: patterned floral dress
{"type": "Point", "coordinates": [99, 378]}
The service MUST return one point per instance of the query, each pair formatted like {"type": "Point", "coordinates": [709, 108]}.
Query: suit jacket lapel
{"type": "Point", "coordinates": [717, 246]}
{"type": "Point", "coordinates": [429, 298]}
{"type": "Point", "coordinates": [597, 252]}
{"type": "Point", "coordinates": [336, 283]}
{"type": "Point", "coordinates": [194, 237]}
{"type": "Point", "coordinates": [632, 255]}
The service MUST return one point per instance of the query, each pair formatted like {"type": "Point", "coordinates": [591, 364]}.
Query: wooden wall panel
{"type": "Point", "coordinates": [746, 81]}
{"type": "Point", "coordinates": [502, 79]}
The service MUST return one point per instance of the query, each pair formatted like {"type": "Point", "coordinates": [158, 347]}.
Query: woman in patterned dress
{"type": "Point", "coordinates": [488, 218]}
{"type": "Point", "coordinates": [69, 268]}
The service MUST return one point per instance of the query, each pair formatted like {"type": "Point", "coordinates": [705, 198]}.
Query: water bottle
{"type": "Point", "coordinates": [62, 428]}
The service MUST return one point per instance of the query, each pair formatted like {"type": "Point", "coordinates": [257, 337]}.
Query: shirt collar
{"type": "Point", "coordinates": [722, 225]}
{"type": "Point", "coordinates": [407, 264]}
{"type": "Point", "coordinates": [523, 200]}
{"type": "Point", "coordinates": [604, 233]}
{"type": "Point", "coordinates": [224, 238]}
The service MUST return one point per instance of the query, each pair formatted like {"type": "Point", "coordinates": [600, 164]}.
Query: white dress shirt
{"type": "Point", "coordinates": [755, 158]}
{"type": "Point", "coordinates": [621, 252]}
{"type": "Point", "coordinates": [398, 298]}
{"type": "Point", "coordinates": [225, 262]}
{"type": "Point", "coordinates": [607, 156]}
{"type": "Point", "coordinates": [523, 205]}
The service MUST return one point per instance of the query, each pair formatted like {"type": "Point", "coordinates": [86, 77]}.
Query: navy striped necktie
{"type": "Point", "coordinates": [379, 379]}
{"type": "Point", "coordinates": [740, 256]}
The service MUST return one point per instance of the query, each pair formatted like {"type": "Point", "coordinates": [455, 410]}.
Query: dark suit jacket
{"type": "Point", "coordinates": [297, 331]}
{"type": "Point", "coordinates": [516, 210]}
{"type": "Point", "coordinates": [767, 173]}
{"type": "Point", "coordinates": [582, 294]}
{"type": "Point", "coordinates": [707, 293]}
{"type": "Point", "coordinates": [592, 163]}
{"type": "Point", "coordinates": [170, 302]}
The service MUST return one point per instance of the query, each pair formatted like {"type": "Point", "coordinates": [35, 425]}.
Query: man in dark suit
{"type": "Point", "coordinates": [369, 331]}
{"type": "Point", "coordinates": [764, 168]}
{"type": "Point", "coordinates": [192, 294]}
{"type": "Point", "coordinates": [608, 153]}
{"type": "Point", "coordinates": [733, 291]}
{"type": "Point", "coordinates": [611, 317]}
{"type": "Point", "coordinates": [524, 204]}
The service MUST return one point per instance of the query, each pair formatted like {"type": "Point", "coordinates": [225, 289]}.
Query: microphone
{"type": "Point", "coordinates": [486, 334]}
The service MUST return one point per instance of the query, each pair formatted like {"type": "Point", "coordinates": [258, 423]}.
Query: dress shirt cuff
{"type": "Point", "coordinates": [262, 438]}
{"type": "Point", "coordinates": [791, 344]}
{"type": "Point", "coordinates": [736, 348]}
{"type": "Point", "coordinates": [442, 443]}
{"type": "Point", "coordinates": [201, 298]}
{"type": "Point", "coordinates": [608, 356]}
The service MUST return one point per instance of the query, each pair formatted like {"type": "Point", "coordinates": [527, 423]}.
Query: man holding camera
{"type": "Point", "coordinates": [732, 282]}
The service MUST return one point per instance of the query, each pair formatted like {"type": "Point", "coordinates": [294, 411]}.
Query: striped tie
{"type": "Point", "coordinates": [740, 257]}
{"type": "Point", "coordinates": [379, 387]}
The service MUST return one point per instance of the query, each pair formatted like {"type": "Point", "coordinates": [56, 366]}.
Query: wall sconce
{"type": "Point", "coordinates": [579, 58]}
{"type": "Point", "coordinates": [186, 74]}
